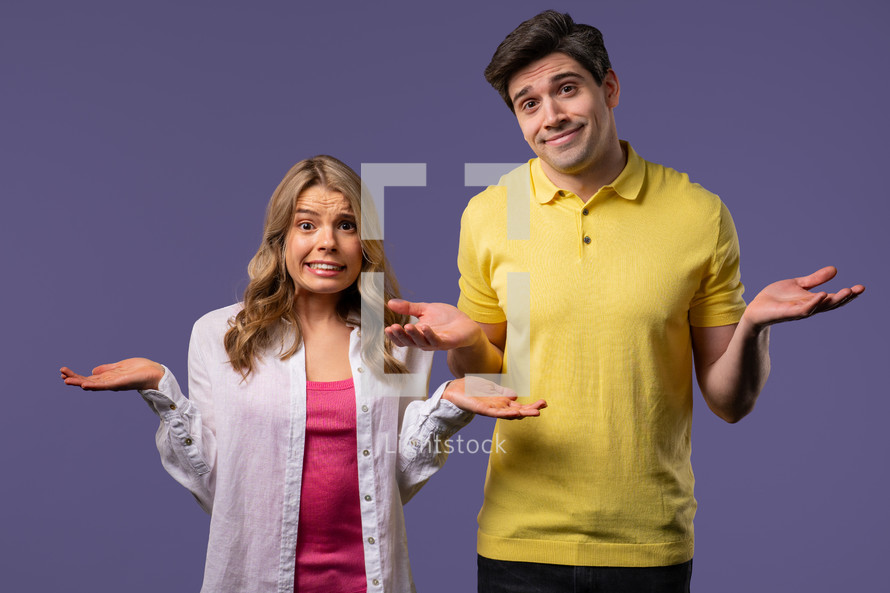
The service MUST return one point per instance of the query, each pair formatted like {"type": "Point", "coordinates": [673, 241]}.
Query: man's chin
{"type": "Point", "coordinates": [570, 165]}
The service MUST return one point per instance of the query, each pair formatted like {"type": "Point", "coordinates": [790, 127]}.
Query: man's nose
{"type": "Point", "coordinates": [553, 113]}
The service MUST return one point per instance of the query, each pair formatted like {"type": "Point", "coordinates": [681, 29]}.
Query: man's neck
{"type": "Point", "coordinates": [586, 183]}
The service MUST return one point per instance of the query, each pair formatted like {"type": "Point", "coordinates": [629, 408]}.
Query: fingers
{"type": "Point", "coordinates": [85, 383]}
{"type": "Point", "coordinates": [66, 372]}
{"type": "Point", "coordinates": [104, 368]}
{"type": "Point", "coordinates": [833, 300]}
{"type": "Point", "coordinates": [812, 304]}
{"type": "Point", "coordinates": [533, 409]}
{"type": "Point", "coordinates": [511, 410]}
{"type": "Point", "coordinates": [816, 278]}
{"type": "Point", "coordinates": [399, 336]}
{"type": "Point", "coordinates": [414, 336]}
{"type": "Point", "coordinates": [423, 336]}
{"type": "Point", "coordinates": [841, 298]}
{"type": "Point", "coordinates": [396, 335]}
{"type": "Point", "coordinates": [403, 307]}
{"type": "Point", "coordinates": [71, 378]}
{"type": "Point", "coordinates": [98, 381]}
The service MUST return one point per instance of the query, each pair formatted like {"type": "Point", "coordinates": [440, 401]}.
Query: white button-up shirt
{"type": "Point", "coordinates": [237, 445]}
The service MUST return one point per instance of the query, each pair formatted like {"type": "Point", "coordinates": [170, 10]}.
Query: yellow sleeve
{"type": "Point", "coordinates": [475, 262]}
{"type": "Point", "coordinates": [718, 300]}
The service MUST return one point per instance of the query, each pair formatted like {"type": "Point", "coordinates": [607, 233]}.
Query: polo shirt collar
{"type": "Point", "coordinates": [627, 184]}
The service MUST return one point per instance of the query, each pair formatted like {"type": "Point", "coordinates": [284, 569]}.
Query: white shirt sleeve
{"type": "Point", "coordinates": [185, 438]}
{"type": "Point", "coordinates": [423, 448]}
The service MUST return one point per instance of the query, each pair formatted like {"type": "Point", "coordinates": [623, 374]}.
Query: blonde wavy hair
{"type": "Point", "coordinates": [269, 315]}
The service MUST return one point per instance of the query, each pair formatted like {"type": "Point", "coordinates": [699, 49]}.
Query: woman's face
{"type": "Point", "coordinates": [323, 253]}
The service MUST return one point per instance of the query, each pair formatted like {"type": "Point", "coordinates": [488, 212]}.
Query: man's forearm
{"type": "Point", "coordinates": [480, 357]}
{"type": "Point", "coordinates": [732, 383]}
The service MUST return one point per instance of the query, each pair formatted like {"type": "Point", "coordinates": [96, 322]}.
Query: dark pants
{"type": "Point", "coordinates": [499, 576]}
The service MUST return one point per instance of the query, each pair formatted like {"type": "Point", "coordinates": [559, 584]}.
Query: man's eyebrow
{"type": "Point", "coordinates": [521, 93]}
{"type": "Point", "coordinates": [556, 78]}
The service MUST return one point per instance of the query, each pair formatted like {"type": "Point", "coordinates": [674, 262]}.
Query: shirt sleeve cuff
{"type": "Point", "coordinates": [447, 417]}
{"type": "Point", "coordinates": [167, 397]}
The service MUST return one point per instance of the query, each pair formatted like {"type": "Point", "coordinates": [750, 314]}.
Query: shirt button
{"type": "Point", "coordinates": [364, 408]}
{"type": "Point", "coordinates": [360, 369]}
{"type": "Point", "coordinates": [366, 452]}
{"type": "Point", "coordinates": [371, 540]}
{"type": "Point", "coordinates": [587, 240]}
{"type": "Point", "coordinates": [585, 212]}
{"type": "Point", "coordinates": [188, 441]}
{"type": "Point", "coordinates": [376, 582]}
{"type": "Point", "coordinates": [368, 497]}
{"type": "Point", "coordinates": [172, 406]}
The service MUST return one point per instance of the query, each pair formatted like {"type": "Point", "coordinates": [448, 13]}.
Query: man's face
{"type": "Point", "coordinates": [565, 116]}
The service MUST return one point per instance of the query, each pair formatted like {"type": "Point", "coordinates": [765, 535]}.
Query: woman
{"type": "Point", "coordinates": [290, 435]}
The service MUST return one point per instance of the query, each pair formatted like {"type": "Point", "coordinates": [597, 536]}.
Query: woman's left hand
{"type": "Point", "coordinates": [132, 373]}
{"type": "Point", "coordinates": [485, 398]}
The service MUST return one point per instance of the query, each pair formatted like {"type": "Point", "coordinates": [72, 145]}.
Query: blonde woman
{"type": "Point", "coordinates": [290, 437]}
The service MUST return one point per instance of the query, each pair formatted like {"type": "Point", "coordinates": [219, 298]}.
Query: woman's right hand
{"type": "Point", "coordinates": [132, 373]}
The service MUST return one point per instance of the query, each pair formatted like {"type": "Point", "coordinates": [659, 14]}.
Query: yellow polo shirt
{"type": "Point", "coordinates": [603, 476]}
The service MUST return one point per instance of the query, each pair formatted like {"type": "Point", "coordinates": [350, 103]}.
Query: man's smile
{"type": "Point", "coordinates": [563, 137]}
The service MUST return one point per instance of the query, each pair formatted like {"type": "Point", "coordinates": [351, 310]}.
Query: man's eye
{"type": "Point", "coordinates": [529, 105]}
{"type": "Point", "coordinates": [567, 88]}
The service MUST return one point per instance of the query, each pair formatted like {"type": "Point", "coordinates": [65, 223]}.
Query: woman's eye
{"type": "Point", "coordinates": [305, 226]}
{"type": "Point", "coordinates": [347, 225]}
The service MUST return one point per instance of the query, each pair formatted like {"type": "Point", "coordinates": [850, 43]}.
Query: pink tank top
{"type": "Point", "coordinates": [330, 556]}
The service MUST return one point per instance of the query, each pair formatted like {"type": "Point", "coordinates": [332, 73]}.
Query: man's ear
{"type": "Point", "coordinates": [611, 88]}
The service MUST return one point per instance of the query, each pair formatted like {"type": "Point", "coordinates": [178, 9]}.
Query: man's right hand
{"type": "Point", "coordinates": [132, 373]}
{"type": "Point", "coordinates": [439, 327]}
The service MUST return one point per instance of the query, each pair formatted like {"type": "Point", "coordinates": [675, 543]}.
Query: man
{"type": "Point", "coordinates": [633, 272]}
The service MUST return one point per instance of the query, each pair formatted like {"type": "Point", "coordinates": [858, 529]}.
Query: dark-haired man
{"type": "Point", "coordinates": [633, 272]}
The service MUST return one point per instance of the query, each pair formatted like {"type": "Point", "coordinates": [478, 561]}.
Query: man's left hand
{"type": "Point", "coordinates": [791, 299]}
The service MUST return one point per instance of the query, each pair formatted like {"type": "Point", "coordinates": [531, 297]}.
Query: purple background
{"type": "Point", "coordinates": [141, 143]}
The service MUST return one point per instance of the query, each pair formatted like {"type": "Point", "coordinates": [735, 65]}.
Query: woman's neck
{"type": "Point", "coordinates": [325, 337]}
{"type": "Point", "coordinates": [318, 310]}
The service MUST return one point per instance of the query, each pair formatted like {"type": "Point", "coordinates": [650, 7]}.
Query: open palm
{"type": "Point", "coordinates": [791, 299]}
{"type": "Point", "coordinates": [439, 326]}
{"type": "Point", "coordinates": [483, 397]}
{"type": "Point", "coordinates": [132, 373]}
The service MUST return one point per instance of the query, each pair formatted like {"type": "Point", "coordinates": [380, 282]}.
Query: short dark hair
{"type": "Point", "coordinates": [540, 36]}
